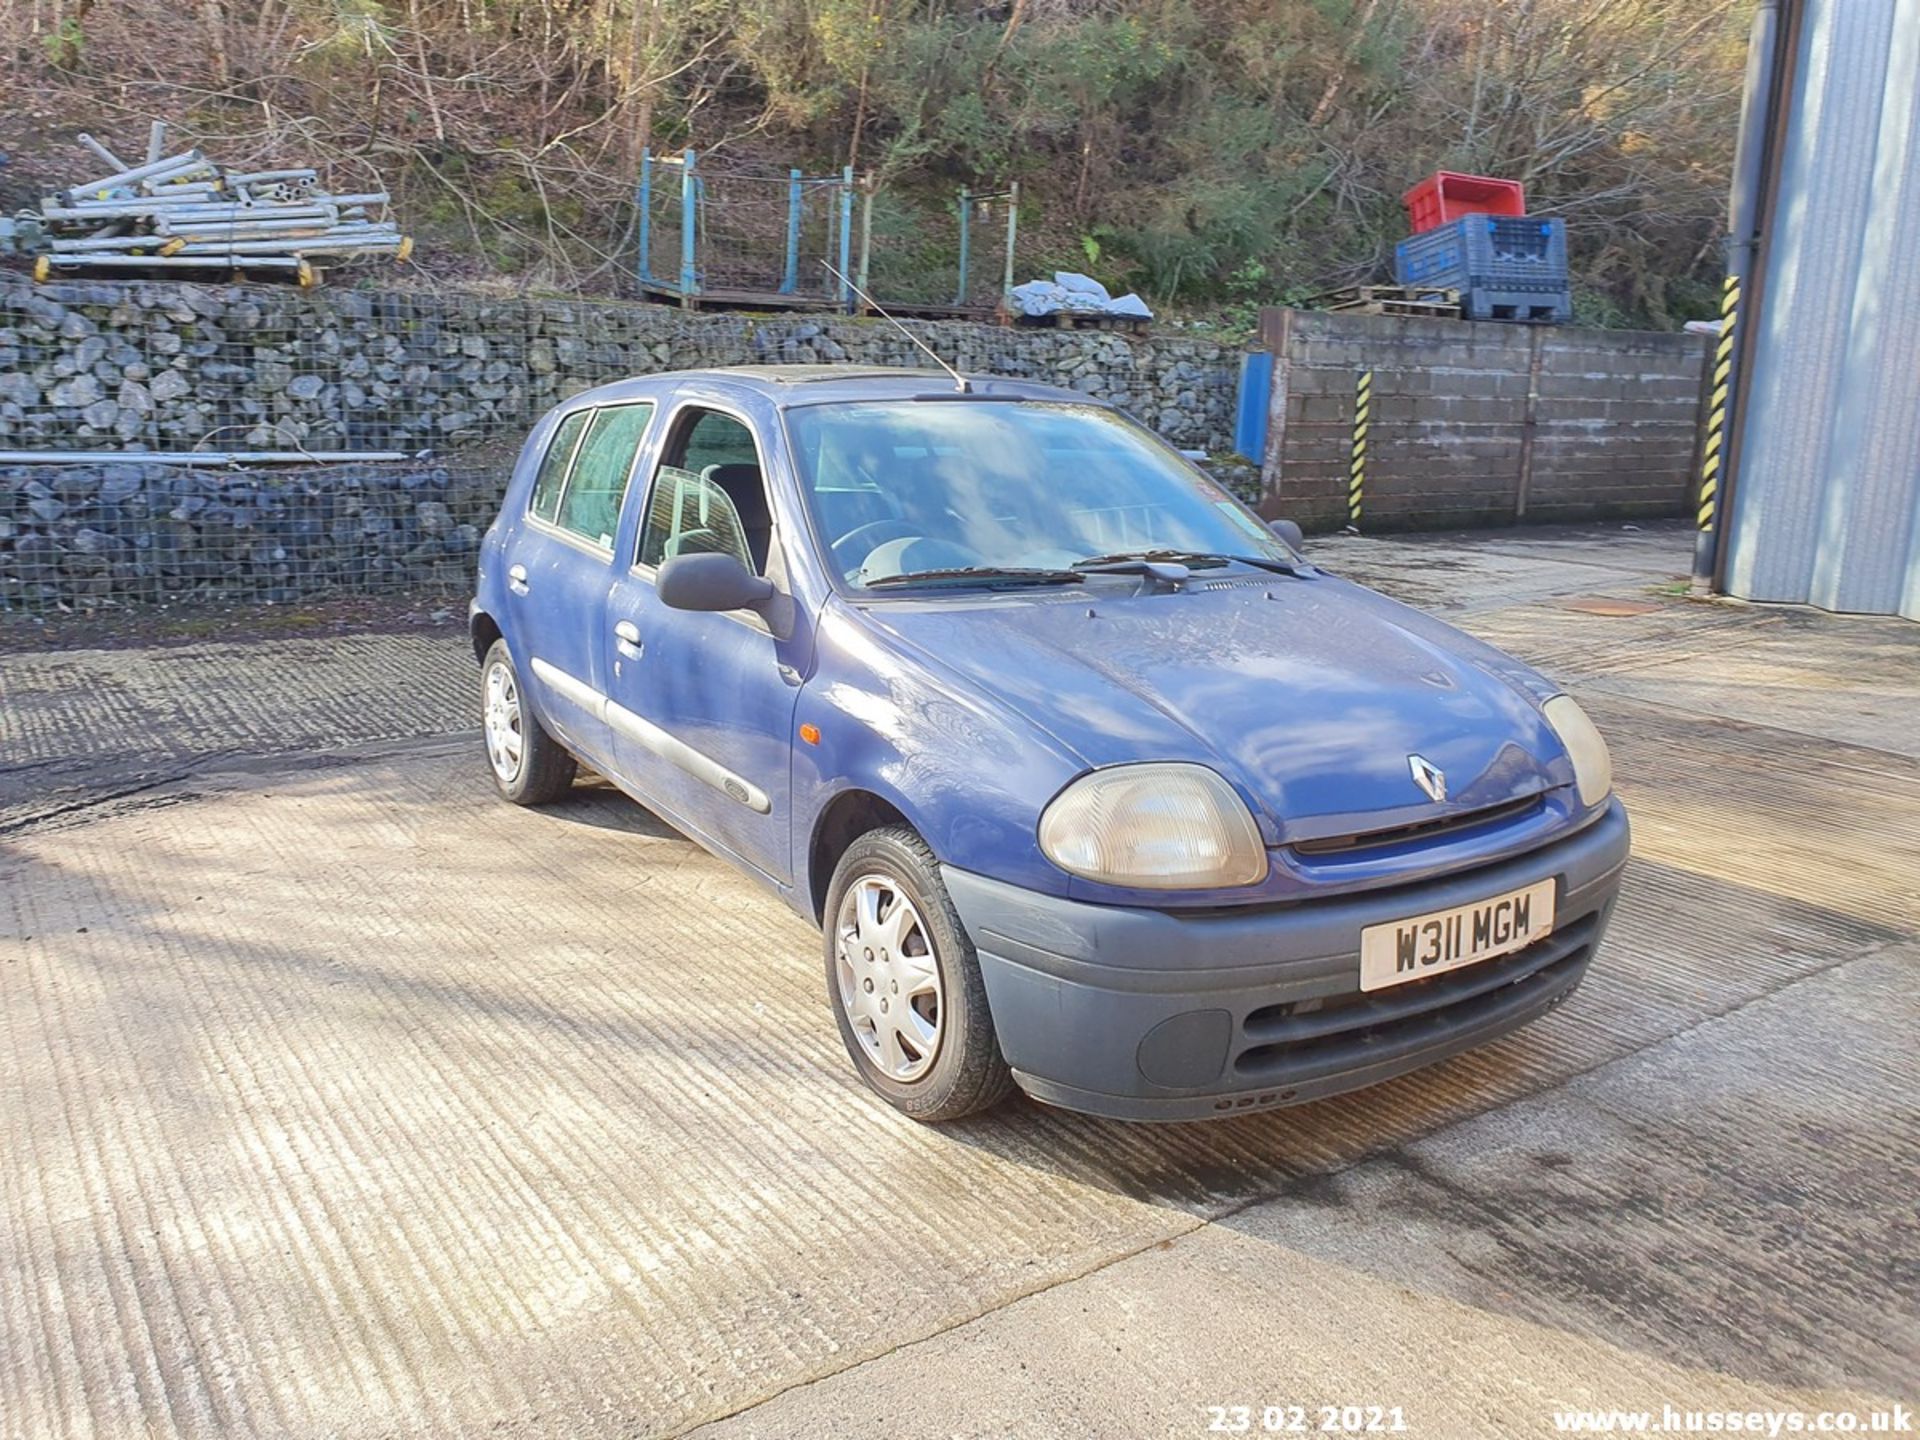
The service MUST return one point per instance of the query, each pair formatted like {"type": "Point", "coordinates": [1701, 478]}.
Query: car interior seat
{"type": "Point", "coordinates": [744, 487]}
{"type": "Point", "coordinates": [698, 542]}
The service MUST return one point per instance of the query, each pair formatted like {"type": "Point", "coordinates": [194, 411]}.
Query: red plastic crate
{"type": "Point", "coordinates": [1445, 196]}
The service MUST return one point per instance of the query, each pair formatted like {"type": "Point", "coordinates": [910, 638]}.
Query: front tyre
{"type": "Point", "coordinates": [905, 983]}
{"type": "Point", "coordinates": [529, 766]}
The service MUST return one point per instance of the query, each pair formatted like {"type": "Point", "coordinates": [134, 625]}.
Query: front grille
{"type": "Point", "coordinates": [1299, 1040]}
{"type": "Point", "coordinates": [1421, 830]}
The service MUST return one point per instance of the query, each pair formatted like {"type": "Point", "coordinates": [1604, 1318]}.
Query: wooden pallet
{"type": "Point", "coordinates": [733, 298]}
{"type": "Point", "coordinates": [934, 310]}
{"type": "Point", "coordinates": [1392, 300]}
{"type": "Point", "coordinates": [1087, 320]}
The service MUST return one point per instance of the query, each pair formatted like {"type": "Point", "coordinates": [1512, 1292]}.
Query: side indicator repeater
{"type": "Point", "coordinates": [810, 734]}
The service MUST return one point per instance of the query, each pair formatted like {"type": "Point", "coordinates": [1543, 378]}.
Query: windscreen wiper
{"type": "Point", "coordinates": [1197, 559]}
{"type": "Point", "coordinates": [980, 574]}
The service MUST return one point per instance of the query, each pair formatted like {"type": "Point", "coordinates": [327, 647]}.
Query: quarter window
{"type": "Point", "coordinates": [547, 485]}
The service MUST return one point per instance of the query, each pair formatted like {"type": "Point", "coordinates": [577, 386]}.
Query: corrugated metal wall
{"type": "Point", "coordinates": [1826, 507]}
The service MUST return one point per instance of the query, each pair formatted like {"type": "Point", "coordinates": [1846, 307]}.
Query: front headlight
{"type": "Point", "coordinates": [1592, 766]}
{"type": "Point", "coordinates": [1155, 827]}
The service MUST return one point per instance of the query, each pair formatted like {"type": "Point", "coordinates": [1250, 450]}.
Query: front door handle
{"type": "Point", "coordinates": [517, 579]}
{"type": "Point", "coordinates": [628, 634]}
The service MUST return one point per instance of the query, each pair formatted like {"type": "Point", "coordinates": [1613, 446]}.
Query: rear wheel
{"type": "Point", "coordinates": [529, 766]}
{"type": "Point", "coordinates": [905, 983]}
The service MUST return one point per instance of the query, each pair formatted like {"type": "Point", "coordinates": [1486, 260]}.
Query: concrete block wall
{"type": "Point", "coordinates": [1616, 424]}
{"type": "Point", "coordinates": [1476, 423]}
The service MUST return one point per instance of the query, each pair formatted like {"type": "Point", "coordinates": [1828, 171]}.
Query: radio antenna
{"type": "Point", "coordinates": [959, 380]}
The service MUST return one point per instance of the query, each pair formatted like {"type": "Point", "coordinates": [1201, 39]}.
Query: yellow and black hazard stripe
{"type": "Point", "coordinates": [1717, 403]}
{"type": "Point", "coordinates": [1357, 457]}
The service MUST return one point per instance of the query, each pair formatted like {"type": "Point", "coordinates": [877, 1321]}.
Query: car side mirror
{"type": "Point", "coordinates": [1289, 531]}
{"type": "Point", "coordinates": [711, 581]}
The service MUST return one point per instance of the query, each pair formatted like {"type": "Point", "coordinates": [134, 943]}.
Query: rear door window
{"type": "Point", "coordinates": [583, 477]}
{"type": "Point", "coordinates": [590, 505]}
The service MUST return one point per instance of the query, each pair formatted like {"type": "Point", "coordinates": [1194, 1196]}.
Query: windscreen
{"type": "Point", "coordinates": [901, 487]}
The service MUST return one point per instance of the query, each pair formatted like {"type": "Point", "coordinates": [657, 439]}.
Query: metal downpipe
{"type": "Point", "coordinates": [1745, 197]}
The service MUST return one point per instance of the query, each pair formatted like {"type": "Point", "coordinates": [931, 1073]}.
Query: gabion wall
{"type": "Point", "coordinates": [82, 535]}
{"type": "Point", "coordinates": [148, 366]}
{"type": "Point", "coordinates": [181, 367]}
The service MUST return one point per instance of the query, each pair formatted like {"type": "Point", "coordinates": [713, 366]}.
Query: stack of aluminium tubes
{"type": "Point", "coordinates": [184, 212]}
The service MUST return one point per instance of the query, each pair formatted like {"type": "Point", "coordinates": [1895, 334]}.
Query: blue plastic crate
{"type": "Point", "coordinates": [1496, 252]}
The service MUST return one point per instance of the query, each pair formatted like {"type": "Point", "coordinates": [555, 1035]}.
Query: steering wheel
{"type": "Point", "coordinates": [852, 548]}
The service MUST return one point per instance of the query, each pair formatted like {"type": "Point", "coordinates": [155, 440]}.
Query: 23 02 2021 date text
{"type": "Point", "coordinates": [1305, 1419]}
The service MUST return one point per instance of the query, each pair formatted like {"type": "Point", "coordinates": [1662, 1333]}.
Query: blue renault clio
{"type": "Point", "coordinates": [1094, 785]}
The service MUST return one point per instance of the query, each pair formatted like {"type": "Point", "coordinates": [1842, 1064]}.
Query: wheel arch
{"type": "Point", "coordinates": [842, 820]}
{"type": "Point", "coordinates": [482, 631]}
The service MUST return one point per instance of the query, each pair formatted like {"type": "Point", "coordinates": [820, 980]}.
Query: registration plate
{"type": "Point", "coordinates": [1444, 940]}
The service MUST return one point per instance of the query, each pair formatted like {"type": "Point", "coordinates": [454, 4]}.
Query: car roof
{"type": "Point", "coordinates": [793, 385]}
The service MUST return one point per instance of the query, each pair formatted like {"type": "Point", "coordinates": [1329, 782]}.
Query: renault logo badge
{"type": "Point", "coordinates": [1429, 777]}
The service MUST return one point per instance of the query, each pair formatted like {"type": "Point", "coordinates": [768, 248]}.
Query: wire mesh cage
{"type": "Point", "coordinates": [718, 234]}
{"type": "Point", "coordinates": [733, 234]}
{"type": "Point", "coordinates": [142, 532]}
{"type": "Point", "coordinates": [946, 258]}
{"type": "Point", "coordinates": [992, 246]}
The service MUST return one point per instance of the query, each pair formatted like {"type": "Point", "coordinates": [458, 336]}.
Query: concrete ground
{"type": "Point", "coordinates": [341, 1099]}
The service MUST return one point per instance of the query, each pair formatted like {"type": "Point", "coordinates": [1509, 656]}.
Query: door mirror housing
{"type": "Point", "coordinates": [713, 581]}
{"type": "Point", "coordinates": [1289, 531]}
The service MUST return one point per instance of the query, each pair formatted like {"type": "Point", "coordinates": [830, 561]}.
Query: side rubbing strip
{"type": "Point", "coordinates": [702, 767]}
{"type": "Point", "coordinates": [649, 736]}
{"type": "Point", "coordinates": [568, 688]}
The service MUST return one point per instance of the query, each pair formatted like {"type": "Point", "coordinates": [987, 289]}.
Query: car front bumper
{"type": "Point", "coordinates": [1144, 1014]}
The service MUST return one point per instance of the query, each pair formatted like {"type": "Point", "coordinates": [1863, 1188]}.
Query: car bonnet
{"type": "Point", "coordinates": [1312, 696]}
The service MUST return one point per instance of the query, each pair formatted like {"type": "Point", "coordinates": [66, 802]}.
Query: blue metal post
{"type": "Point", "coordinates": [1250, 405]}
{"type": "Point", "coordinates": [966, 216]}
{"type": "Point", "coordinates": [846, 237]}
{"type": "Point", "coordinates": [646, 216]}
{"type": "Point", "coordinates": [689, 222]}
{"type": "Point", "coordinates": [790, 277]}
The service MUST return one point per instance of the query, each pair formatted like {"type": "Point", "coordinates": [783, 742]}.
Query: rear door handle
{"type": "Point", "coordinates": [628, 634]}
{"type": "Point", "coordinates": [517, 579]}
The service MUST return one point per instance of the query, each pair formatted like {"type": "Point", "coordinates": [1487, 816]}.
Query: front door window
{"type": "Point", "coordinates": [708, 495]}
